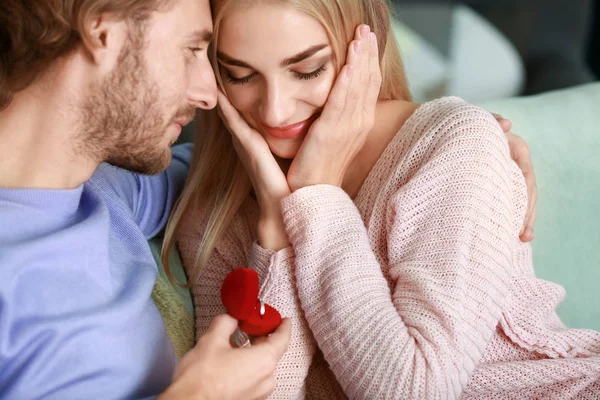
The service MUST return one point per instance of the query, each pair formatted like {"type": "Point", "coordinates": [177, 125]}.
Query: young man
{"type": "Point", "coordinates": [83, 82]}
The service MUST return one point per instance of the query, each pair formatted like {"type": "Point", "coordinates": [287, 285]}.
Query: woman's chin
{"type": "Point", "coordinates": [285, 151]}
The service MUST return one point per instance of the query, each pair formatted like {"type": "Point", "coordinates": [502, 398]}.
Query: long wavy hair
{"type": "Point", "coordinates": [218, 181]}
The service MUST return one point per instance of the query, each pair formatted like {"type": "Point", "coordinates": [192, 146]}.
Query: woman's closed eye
{"type": "Point", "coordinates": [312, 75]}
{"type": "Point", "coordinates": [299, 75]}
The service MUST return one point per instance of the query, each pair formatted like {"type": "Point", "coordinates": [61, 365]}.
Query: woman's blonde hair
{"type": "Point", "coordinates": [217, 180]}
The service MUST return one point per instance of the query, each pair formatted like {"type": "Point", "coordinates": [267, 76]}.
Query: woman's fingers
{"type": "Point", "coordinates": [332, 111]}
{"type": "Point", "coordinates": [348, 116]}
{"type": "Point", "coordinates": [359, 85]}
{"type": "Point", "coordinates": [374, 87]}
{"type": "Point", "coordinates": [351, 88]}
{"type": "Point", "coordinates": [232, 119]}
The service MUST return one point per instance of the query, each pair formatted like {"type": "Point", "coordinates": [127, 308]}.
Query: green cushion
{"type": "Point", "coordinates": [562, 129]}
{"type": "Point", "coordinates": [174, 302]}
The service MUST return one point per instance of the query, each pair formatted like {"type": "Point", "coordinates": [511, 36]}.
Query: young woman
{"type": "Point", "coordinates": [387, 231]}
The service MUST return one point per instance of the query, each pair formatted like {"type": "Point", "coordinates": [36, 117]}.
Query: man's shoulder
{"type": "Point", "coordinates": [49, 238]}
{"type": "Point", "coordinates": [110, 179]}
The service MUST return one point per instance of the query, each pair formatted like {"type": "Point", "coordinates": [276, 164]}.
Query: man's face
{"type": "Point", "coordinates": [162, 76]}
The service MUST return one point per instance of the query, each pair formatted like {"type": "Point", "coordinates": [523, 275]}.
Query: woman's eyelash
{"type": "Point", "coordinates": [311, 75]}
{"type": "Point", "coordinates": [238, 81]}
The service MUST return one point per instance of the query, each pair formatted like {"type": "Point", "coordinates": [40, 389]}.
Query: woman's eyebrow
{"type": "Point", "coordinates": [303, 55]}
{"type": "Point", "coordinates": [231, 61]}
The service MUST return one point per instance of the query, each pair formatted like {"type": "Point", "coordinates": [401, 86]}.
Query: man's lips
{"type": "Point", "coordinates": [183, 122]}
{"type": "Point", "coordinates": [180, 123]}
{"type": "Point", "coordinates": [290, 131]}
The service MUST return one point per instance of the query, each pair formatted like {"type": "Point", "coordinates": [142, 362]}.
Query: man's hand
{"type": "Point", "coordinates": [214, 369]}
{"type": "Point", "coordinates": [519, 152]}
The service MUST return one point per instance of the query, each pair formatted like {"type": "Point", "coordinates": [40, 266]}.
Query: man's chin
{"type": "Point", "coordinates": [147, 164]}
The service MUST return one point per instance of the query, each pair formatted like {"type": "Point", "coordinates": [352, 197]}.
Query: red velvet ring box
{"type": "Point", "coordinates": [239, 294]}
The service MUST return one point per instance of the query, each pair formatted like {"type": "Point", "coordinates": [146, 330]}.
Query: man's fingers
{"type": "Point", "coordinates": [505, 124]}
{"type": "Point", "coordinates": [531, 222]}
{"type": "Point", "coordinates": [277, 341]}
{"type": "Point", "coordinates": [222, 326]}
{"type": "Point", "coordinates": [530, 217]}
{"type": "Point", "coordinates": [521, 155]}
{"type": "Point", "coordinates": [258, 340]}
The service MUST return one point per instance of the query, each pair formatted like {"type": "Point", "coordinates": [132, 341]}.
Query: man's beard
{"type": "Point", "coordinates": [121, 121]}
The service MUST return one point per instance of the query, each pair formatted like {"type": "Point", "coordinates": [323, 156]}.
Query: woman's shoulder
{"type": "Point", "coordinates": [451, 118]}
{"type": "Point", "coordinates": [421, 130]}
{"type": "Point", "coordinates": [450, 153]}
{"type": "Point", "coordinates": [446, 139]}
{"type": "Point", "coordinates": [447, 126]}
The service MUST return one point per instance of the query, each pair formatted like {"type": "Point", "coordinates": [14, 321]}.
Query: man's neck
{"type": "Point", "coordinates": [38, 132]}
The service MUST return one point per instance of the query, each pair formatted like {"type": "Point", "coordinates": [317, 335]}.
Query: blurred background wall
{"type": "Point", "coordinates": [489, 49]}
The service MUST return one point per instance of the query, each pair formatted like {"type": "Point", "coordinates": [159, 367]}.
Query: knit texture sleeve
{"type": "Point", "coordinates": [419, 330]}
{"type": "Point", "coordinates": [238, 248]}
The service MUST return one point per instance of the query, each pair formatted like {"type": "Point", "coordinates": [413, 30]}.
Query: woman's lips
{"type": "Point", "coordinates": [291, 131]}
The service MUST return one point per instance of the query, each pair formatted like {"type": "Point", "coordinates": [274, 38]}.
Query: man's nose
{"type": "Point", "coordinates": [202, 92]}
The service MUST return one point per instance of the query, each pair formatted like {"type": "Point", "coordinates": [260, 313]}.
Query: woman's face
{"type": "Point", "coordinates": [277, 69]}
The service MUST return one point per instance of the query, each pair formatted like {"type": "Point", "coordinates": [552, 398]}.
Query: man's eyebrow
{"type": "Point", "coordinates": [286, 63]}
{"type": "Point", "coordinates": [201, 35]}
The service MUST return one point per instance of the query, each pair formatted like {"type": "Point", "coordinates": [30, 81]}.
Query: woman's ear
{"type": "Point", "coordinates": [103, 39]}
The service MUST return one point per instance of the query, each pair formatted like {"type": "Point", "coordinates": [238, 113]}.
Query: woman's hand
{"type": "Point", "coordinates": [519, 151]}
{"type": "Point", "coordinates": [269, 181]}
{"type": "Point", "coordinates": [339, 133]}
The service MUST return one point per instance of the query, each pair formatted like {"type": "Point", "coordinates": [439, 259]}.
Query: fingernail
{"type": "Point", "coordinates": [349, 70]}
{"type": "Point", "coordinates": [364, 31]}
{"type": "Point", "coordinates": [372, 38]}
{"type": "Point", "coordinates": [357, 46]}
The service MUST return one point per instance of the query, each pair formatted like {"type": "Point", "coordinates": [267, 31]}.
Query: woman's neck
{"type": "Point", "coordinates": [390, 116]}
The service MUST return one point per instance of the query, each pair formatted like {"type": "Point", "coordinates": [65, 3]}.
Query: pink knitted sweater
{"type": "Point", "coordinates": [418, 288]}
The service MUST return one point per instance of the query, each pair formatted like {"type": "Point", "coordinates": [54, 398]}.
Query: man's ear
{"type": "Point", "coordinates": [103, 39]}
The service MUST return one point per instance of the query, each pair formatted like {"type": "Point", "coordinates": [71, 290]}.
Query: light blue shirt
{"type": "Point", "coordinates": [77, 320]}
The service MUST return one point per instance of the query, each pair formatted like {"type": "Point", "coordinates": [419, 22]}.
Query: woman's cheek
{"type": "Point", "coordinates": [322, 88]}
{"type": "Point", "coordinates": [240, 99]}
